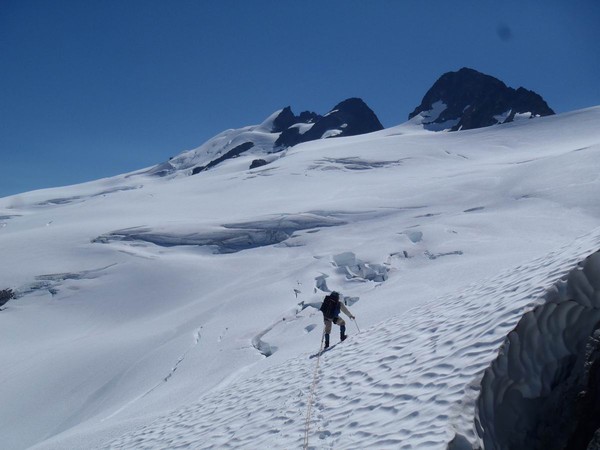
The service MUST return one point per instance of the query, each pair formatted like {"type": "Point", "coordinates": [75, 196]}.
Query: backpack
{"type": "Point", "coordinates": [330, 307]}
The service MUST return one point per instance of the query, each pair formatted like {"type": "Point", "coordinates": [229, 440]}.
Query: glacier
{"type": "Point", "coordinates": [180, 311]}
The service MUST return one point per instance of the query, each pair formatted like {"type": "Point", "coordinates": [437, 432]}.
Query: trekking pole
{"type": "Point", "coordinates": [356, 323]}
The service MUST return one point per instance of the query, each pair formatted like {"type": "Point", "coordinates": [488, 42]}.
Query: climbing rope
{"type": "Point", "coordinates": [312, 393]}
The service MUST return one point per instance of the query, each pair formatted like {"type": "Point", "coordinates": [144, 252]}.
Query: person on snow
{"type": "Point", "coordinates": [331, 308]}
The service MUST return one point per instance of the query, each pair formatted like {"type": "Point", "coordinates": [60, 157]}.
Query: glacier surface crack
{"type": "Point", "coordinates": [543, 389]}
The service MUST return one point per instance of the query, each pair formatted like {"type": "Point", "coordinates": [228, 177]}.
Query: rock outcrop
{"type": "Point", "coordinates": [469, 99]}
{"type": "Point", "coordinates": [348, 118]}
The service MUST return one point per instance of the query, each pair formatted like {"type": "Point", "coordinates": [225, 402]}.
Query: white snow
{"type": "Point", "coordinates": [331, 133]}
{"type": "Point", "coordinates": [261, 136]}
{"type": "Point", "coordinates": [501, 118]}
{"type": "Point", "coordinates": [303, 127]}
{"type": "Point", "coordinates": [427, 118]}
{"type": "Point", "coordinates": [523, 116]}
{"type": "Point", "coordinates": [165, 312]}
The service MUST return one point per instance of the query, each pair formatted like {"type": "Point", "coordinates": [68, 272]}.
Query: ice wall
{"type": "Point", "coordinates": [543, 390]}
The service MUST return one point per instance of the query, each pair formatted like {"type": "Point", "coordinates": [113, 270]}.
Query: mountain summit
{"type": "Point", "coordinates": [469, 99]}
{"type": "Point", "coordinates": [348, 118]}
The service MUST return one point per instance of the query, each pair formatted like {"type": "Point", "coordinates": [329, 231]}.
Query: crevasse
{"type": "Point", "coordinates": [543, 389]}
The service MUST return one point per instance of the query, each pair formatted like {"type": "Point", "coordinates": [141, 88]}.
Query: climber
{"type": "Point", "coordinates": [331, 308]}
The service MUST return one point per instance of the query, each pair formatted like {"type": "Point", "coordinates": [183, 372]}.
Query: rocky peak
{"type": "Point", "coordinates": [352, 117]}
{"type": "Point", "coordinates": [284, 120]}
{"type": "Point", "coordinates": [287, 118]}
{"type": "Point", "coordinates": [469, 99]}
{"type": "Point", "coordinates": [348, 118]}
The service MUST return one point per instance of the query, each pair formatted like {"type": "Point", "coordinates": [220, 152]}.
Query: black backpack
{"type": "Point", "coordinates": [330, 307]}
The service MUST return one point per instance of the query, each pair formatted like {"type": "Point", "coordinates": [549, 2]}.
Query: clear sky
{"type": "Point", "coordinates": [95, 88]}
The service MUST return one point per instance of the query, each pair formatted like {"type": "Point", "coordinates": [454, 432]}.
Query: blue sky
{"type": "Point", "coordinates": [90, 89]}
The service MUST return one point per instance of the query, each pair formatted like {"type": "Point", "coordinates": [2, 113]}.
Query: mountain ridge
{"type": "Point", "coordinates": [462, 100]}
{"type": "Point", "coordinates": [468, 99]}
{"type": "Point", "coordinates": [280, 131]}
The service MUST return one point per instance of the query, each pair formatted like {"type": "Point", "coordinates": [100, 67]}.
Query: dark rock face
{"type": "Point", "coordinates": [348, 118]}
{"type": "Point", "coordinates": [286, 119]}
{"type": "Point", "coordinates": [6, 295]}
{"type": "Point", "coordinates": [258, 163]}
{"type": "Point", "coordinates": [474, 100]}
{"type": "Point", "coordinates": [233, 153]}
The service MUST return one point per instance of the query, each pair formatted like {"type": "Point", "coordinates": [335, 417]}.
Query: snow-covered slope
{"type": "Point", "coordinates": [157, 312]}
{"type": "Point", "coordinates": [279, 131]}
{"type": "Point", "coordinates": [409, 382]}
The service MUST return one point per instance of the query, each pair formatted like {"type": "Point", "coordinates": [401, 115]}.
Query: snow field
{"type": "Point", "coordinates": [113, 330]}
{"type": "Point", "coordinates": [409, 382]}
